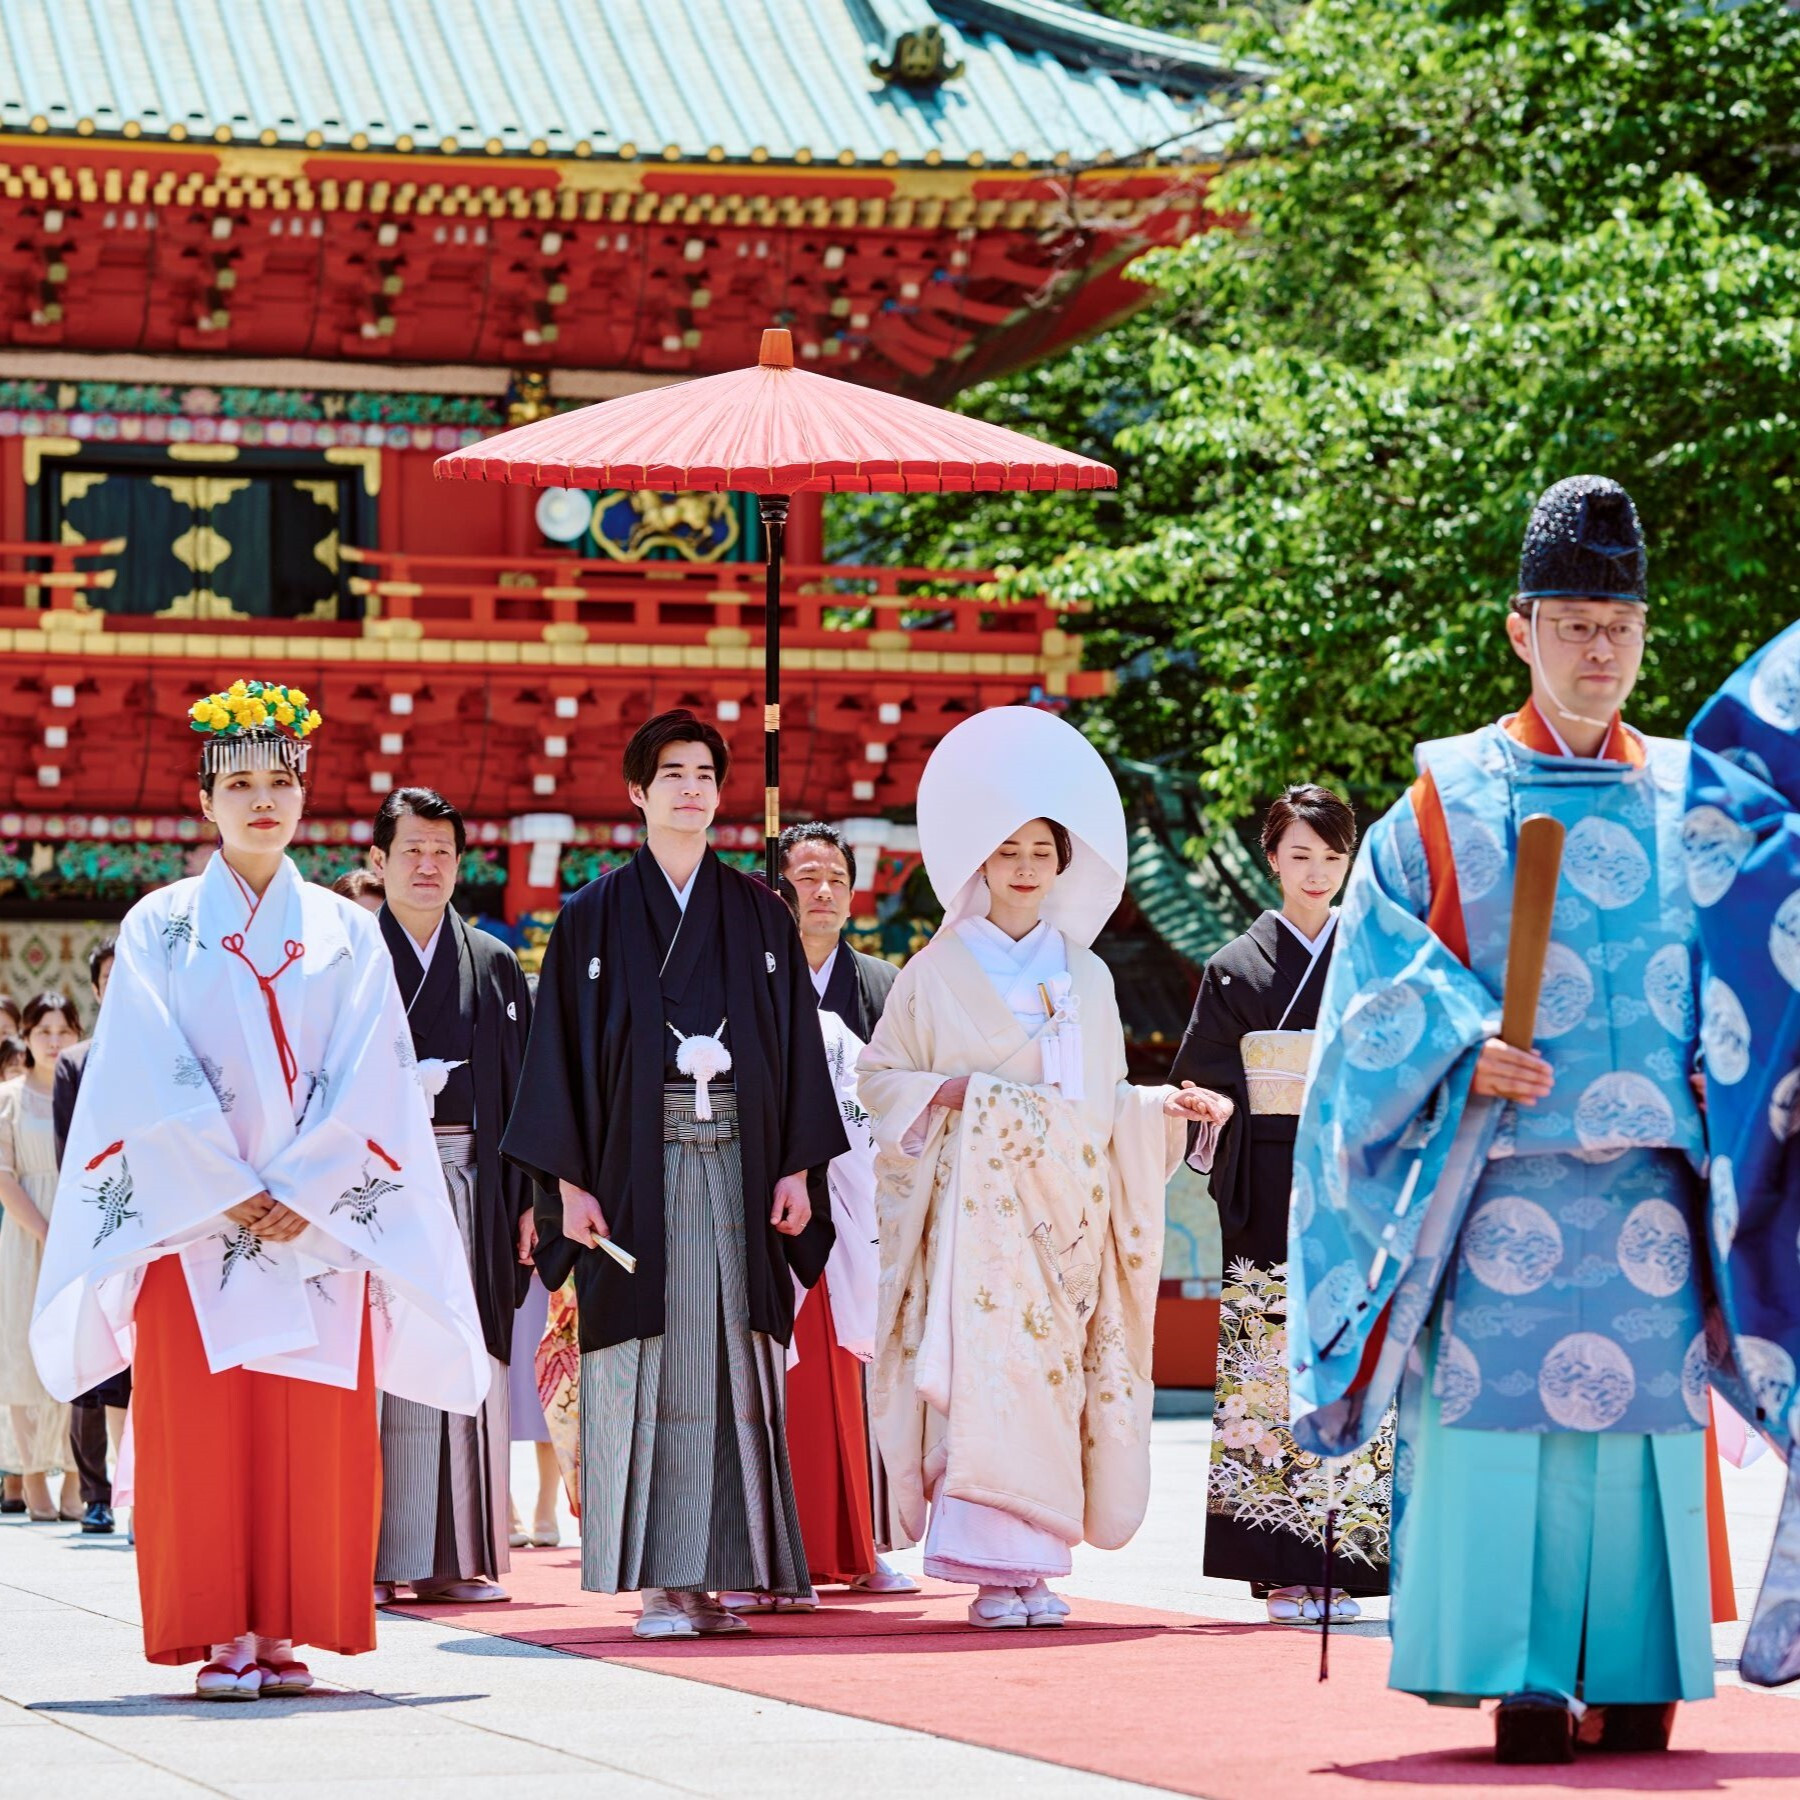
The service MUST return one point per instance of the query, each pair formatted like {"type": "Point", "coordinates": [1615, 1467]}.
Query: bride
{"type": "Point", "coordinates": [1021, 1179]}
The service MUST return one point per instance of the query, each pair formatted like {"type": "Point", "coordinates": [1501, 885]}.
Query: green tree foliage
{"type": "Point", "coordinates": [1463, 250]}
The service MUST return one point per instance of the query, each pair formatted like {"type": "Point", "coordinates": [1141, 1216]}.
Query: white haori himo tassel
{"type": "Point", "coordinates": [703, 1059]}
{"type": "Point", "coordinates": [1060, 1040]}
{"type": "Point", "coordinates": [433, 1072]}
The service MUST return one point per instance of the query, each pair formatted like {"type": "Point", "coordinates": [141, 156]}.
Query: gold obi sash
{"type": "Point", "coordinates": [1275, 1069]}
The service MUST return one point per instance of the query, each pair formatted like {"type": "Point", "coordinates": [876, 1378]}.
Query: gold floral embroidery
{"type": "Point", "coordinates": [1259, 1475]}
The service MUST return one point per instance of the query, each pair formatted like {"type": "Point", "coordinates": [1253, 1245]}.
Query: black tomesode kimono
{"type": "Point", "coordinates": [590, 1110]}
{"type": "Point", "coordinates": [1249, 1038]}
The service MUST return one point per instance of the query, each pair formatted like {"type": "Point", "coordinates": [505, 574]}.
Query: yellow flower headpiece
{"type": "Point", "coordinates": [254, 724]}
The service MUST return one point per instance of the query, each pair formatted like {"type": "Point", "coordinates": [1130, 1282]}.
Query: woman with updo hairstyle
{"type": "Point", "coordinates": [1250, 1037]}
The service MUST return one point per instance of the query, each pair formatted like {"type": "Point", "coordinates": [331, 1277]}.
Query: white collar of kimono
{"type": "Point", "coordinates": [684, 893]}
{"type": "Point", "coordinates": [821, 976]}
{"type": "Point", "coordinates": [1314, 945]}
{"type": "Point", "coordinates": [1000, 769]}
{"type": "Point", "coordinates": [1017, 966]}
{"type": "Point", "coordinates": [427, 950]}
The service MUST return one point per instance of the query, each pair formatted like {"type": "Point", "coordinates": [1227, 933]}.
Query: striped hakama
{"type": "Point", "coordinates": [444, 1476]}
{"type": "Point", "coordinates": [684, 1464]}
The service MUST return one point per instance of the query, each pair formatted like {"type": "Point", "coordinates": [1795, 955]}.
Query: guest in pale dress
{"type": "Point", "coordinates": [14, 1058]}
{"type": "Point", "coordinates": [34, 1428]}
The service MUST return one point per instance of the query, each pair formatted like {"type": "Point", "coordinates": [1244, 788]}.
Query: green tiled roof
{"type": "Point", "coordinates": [1193, 908]}
{"type": "Point", "coordinates": [776, 80]}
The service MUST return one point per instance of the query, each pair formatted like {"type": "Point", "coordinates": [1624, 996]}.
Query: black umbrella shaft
{"type": "Point", "coordinates": [774, 510]}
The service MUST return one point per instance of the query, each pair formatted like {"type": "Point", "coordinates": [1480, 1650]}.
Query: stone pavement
{"type": "Point", "coordinates": [445, 1712]}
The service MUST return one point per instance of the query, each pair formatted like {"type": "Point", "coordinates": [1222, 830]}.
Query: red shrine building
{"type": "Point", "coordinates": [265, 263]}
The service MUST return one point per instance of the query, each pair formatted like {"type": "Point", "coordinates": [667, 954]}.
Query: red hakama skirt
{"type": "Point", "coordinates": [828, 1448]}
{"type": "Point", "coordinates": [258, 1497]}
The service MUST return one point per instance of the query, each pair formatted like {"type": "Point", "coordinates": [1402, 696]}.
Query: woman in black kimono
{"type": "Point", "coordinates": [1250, 1037]}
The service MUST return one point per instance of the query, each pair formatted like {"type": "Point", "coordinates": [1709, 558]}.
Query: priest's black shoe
{"type": "Point", "coordinates": [1534, 1728]}
{"type": "Point", "coordinates": [1627, 1730]}
{"type": "Point", "coordinates": [97, 1521]}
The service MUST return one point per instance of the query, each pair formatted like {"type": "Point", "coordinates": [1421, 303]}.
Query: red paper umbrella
{"type": "Point", "coordinates": [772, 431]}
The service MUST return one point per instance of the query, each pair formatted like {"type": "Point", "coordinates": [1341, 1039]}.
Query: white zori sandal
{"type": "Point", "coordinates": [283, 1675]}
{"type": "Point", "coordinates": [998, 1609]}
{"type": "Point", "coordinates": [663, 1616]}
{"type": "Point", "coordinates": [1288, 1606]}
{"type": "Point", "coordinates": [232, 1674]}
{"type": "Point", "coordinates": [1043, 1606]}
{"type": "Point", "coordinates": [884, 1580]}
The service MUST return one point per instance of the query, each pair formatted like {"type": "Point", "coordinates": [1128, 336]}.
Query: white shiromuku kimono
{"type": "Point", "coordinates": [248, 1047]}
{"type": "Point", "coordinates": [1021, 1246]}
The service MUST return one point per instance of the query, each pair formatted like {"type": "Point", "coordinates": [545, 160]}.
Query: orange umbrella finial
{"type": "Point", "coordinates": [777, 348]}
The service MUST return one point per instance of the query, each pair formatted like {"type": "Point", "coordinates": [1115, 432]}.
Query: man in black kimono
{"type": "Point", "coordinates": [822, 870]}
{"type": "Point", "coordinates": [676, 1098]}
{"type": "Point", "coordinates": [445, 1477]}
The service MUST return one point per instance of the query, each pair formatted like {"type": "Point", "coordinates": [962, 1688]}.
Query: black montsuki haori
{"type": "Point", "coordinates": [1584, 542]}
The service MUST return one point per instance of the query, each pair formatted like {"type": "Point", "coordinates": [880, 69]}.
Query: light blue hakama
{"type": "Point", "coordinates": [1568, 1562]}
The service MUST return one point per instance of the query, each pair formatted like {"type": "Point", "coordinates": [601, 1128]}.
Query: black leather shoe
{"type": "Point", "coordinates": [97, 1521]}
{"type": "Point", "coordinates": [1533, 1728]}
{"type": "Point", "coordinates": [12, 1506]}
{"type": "Point", "coordinates": [1629, 1730]}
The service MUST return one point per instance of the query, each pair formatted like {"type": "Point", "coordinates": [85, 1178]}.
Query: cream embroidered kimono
{"type": "Point", "coordinates": [198, 1093]}
{"type": "Point", "coordinates": [1012, 1349]}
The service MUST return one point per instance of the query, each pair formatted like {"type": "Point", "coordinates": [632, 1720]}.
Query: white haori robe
{"type": "Point", "coordinates": [1021, 1246]}
{"type": "Point", "coordinates": [853, 1271]}
{"type": "Point", "coordinates": [206, 1086]}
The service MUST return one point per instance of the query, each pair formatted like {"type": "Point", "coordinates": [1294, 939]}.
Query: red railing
{"type": "Point", "coordinates": [62, 580]}
{"type": "Point", "coordinates": [823, 604]}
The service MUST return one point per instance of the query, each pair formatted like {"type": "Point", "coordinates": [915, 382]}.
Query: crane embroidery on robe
{"type": "Point", "coordinates": [364, 1200]}
{"type": "Point", "coordinates": [197, 1071]}
{"type": "Point", "coordinates": [243, 1246]}
{"type": "Point", "coordinates": [113, 1197]}
{"type": "Point", "coordinates": [1076, 1269]}
{"type": "Point", "coordinates": [318, 1087]}
{"type": "Point", "coordinates": [404, 1050]}
{"type": "Point", "coordinates": [321, 1287]}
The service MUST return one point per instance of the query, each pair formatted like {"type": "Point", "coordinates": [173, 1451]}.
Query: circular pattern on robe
{"type": "Point", "coordinates": [1329, 1303]}
{"type": "Point", "coordinates": [1457, 1383]}
{"type": "Point", "coordinates": [1480, 861]}
{"type": "Point", "coordinates": [1784, 1113]}
{"type": "Point", "coordinates": [1696, 1383]}
{"type": "Point", "coordinates": [1511, 1244]}
{"type": "Point", "coordinates": [1301, 1201]}
{"type": "Point", "coordinates": [1382, 1027]}
{"type": "Point", "coordinates": [1669, 990]}
{"type": "Point", "coordinates": [1748, 761]}
{"type": "Point", "coordinates": [1605, 863]}
{"type": "Point", "coordinates": [1775, 687]}
{"type": "Point", "coordinates": [1715, 845]}
{"type": "Point", "coordinates": [1724, 1033]}
{"type": "Point", "coordinates": [1567, 993]}
{"type": "Point", "coordinates": [1622, 1111]}
{"type": "Point", "coordinates": [1770, 1372]}
{"type": "Point", "coordinates": [1655, 1248]}
{"type": "Point", "coordinates": [1723, 1182]}
{"type": "Point", "coordinates": [1784, 939]}
{"type": "Point", "coordinates": [1586, 1382]}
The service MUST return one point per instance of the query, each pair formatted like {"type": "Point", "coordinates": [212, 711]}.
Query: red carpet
{"type": "Point", "coordinates": [1197, 1706]}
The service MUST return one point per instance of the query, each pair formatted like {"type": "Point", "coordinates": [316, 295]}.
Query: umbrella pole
{"type": "Point", "coordinates": [774, 511]}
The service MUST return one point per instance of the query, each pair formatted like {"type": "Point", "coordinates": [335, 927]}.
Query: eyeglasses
{"type": "Point", "coordinates": [1622, 632]}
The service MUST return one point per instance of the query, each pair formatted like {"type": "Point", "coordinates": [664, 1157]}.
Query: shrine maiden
{"type": "Point", "coordinates": [252, 1214]}
{"type": "Point", "coordinates": [1020, 1179]}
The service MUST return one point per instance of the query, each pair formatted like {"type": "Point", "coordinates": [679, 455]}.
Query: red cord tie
{"type": "Point", "coordinates": [382, 1154]}
{"type": "Point", "coordinates": [290, 1065]}
{"type": "Point", "coordinates": [110, 1150]}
